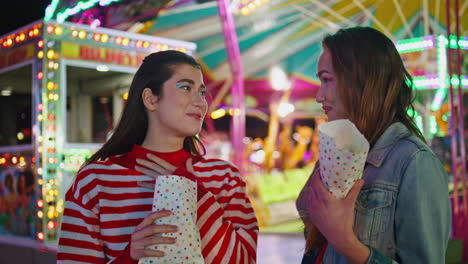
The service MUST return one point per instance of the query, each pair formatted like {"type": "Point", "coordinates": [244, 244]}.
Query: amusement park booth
{"type": "Point", "coordinates": [62, 90]}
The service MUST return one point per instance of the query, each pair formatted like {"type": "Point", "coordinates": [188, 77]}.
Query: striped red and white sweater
{"type": "Point", "coordinates": [106, 203]}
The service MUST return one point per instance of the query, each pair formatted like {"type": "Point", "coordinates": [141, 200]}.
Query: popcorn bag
{"type": "Point", "coordinates": [179, 195]}
{"type": "Point", "coordinates": [342, 153]}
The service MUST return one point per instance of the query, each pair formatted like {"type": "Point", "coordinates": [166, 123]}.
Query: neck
{"type": "Point", "coordinates": [157, 141]}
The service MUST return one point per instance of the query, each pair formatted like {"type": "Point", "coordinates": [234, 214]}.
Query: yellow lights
{"type": "Point", "coordinates": [50, 214]}
{"type": "Point", "coordinates": [249, 6]}
{"type": "Point", "coordinates": [20, 136]}
{"type": "Point", "coordinates": [245, 11]}
{"type": "Point", "coordinates": [36, 32]}
{"type": "Point", "coordinates": [125, 96]}
{"type": "Point", "coordinates": [236, 111]}
{"type": "Point", "coordinates": [40, 214]}
{"type": "Point", "coordinates": [22, 37]}
{"type": "Point", "coordinates": [74, 33]}
{"type": "Point", "coordinates": [40, 181]}
{"type": "Point", "coordinates": [53, 97]}
{"type": "Point", "coordinates": [40, 139]}
{"type": "Point", "coordinates": [125, 41]}
{"type": "Point", "coordinates": [104, 38]}
{"type": "Point", "coordinates": [146, 44]}
{"type": "Point", "coordinates": [218, 113]}
{"type": "Point", "coordinates": [82, 34]}
{"type": "Point", "coordinates": [14, 160]}
{"type": "Point", "coordinates": [40, 54]}
{"type": "Point", "coordinates": [2, 161]}
{"type": "Point", "coordinates": [22, 161]}
{"type": "Point", "coordinates": [40, 171]}
{"type": "Point", "coordinates": [50, 85]}
{"type": "Point", "coordinates": [58, 31]}
{"type": "Point", "coordinates": [51, 54]}
{"type": "Point", "coordinates": [52, 65]}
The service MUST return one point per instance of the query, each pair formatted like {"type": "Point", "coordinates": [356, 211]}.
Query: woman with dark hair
{"type": "Point", "coordinates": [108, 218]}
{"type": "Point", "coordinates": [399, 212]}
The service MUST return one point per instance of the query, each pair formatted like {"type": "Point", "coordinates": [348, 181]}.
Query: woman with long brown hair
{"type": "Point", "coordinates": [399, 212]}
{"type": "Point", "coordinates": [108, 214]}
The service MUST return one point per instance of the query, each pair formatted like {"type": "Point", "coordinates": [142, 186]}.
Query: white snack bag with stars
{"type": "Point", "coordinates": [179, 195]}
{"type": "Point", "coordinates": [342, 152]}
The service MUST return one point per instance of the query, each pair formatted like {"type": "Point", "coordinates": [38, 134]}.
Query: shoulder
{"type": "Point", "coordinates": [96, 168]}
{"type": "Point", "coordinates": [411, 147]}
{"type": "Point", "coordinates": [89, 176]}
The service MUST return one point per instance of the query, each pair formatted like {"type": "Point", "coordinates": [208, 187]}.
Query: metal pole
{"type": "Point", "coordinates": [453, 131]}
{"type": "Point", "coordinates": [461, 130]}
{"type": "Point", "coordinates": [237, 90]}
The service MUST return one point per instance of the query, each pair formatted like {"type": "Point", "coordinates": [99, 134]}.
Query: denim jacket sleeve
{"type": "Point", "coordinates": [422, 217]}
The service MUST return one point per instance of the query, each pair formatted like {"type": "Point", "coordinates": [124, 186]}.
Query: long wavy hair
{"type": "Point", "coordinates": [373, 85]}
{"type": "Point", "coordinates": [154, 71]}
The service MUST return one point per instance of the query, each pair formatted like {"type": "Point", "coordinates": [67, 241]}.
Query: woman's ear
{"type": "Point", "coordinates": [149, 99]}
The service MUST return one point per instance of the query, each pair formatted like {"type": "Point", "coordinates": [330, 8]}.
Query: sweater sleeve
{"type": "Point", "coordinates": [227, 223]}
{"type": "Point", "coordinates": [80, 235]}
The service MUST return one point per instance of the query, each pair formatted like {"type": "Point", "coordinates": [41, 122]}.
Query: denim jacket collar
{"type": "Point", "coordinates": [386, 142]}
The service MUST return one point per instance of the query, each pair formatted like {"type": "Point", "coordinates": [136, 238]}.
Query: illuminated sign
{"type": "Point", "coordinates": [102, 54]}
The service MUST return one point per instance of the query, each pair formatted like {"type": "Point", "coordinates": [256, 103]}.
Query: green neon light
{"type": "Point", "coordinates": [462, 42]}
{"type": "Point", "coordinates": [432, 125]}
{"type": "Point", "coordinates": [79, 7]}
{"type": "Point", "coordinates": [415, 44]}
{"type": "Point", "coordinates": [50, 10]}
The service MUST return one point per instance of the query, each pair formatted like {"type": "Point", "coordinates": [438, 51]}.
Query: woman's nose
{"type": "Point", "coordinates": [320, 97]}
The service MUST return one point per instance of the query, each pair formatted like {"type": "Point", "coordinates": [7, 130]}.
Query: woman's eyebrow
{"type": "Point", "coordinates": [321, 72]}
{"type": "Point", "coordinates": [187, 81]}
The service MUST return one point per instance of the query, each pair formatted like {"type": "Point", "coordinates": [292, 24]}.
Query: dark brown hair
{"type": "Point", "coordinates": [154, 71]}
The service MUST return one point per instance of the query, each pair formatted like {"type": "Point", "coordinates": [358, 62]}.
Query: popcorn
{"type": "Point", "coordinates": [179, 195]}
{"type": "Point", "coordinates": [343, 151]}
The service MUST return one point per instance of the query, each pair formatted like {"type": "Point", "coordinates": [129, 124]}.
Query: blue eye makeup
{"type": "Point", "coordinates": [183, 86]}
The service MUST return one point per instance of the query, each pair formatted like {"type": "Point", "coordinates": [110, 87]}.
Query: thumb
{"type": "Point", "coordinates": [189, 166]}
{"type": "Point", "coordinates": [354, 192]}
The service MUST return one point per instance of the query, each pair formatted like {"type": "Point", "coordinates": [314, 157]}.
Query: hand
{"type": "Point", "coordinates": [146, 235]}
{"type": "Point", "coordinates": [157, 167]}
{"type": "Point", "coordinates": [334, 217]}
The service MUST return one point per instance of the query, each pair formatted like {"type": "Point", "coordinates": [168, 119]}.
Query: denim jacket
{"type": "Point", "coordinates": [403, 210]}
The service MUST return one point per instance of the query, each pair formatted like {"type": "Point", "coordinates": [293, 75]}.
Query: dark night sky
{"type": "Point", "coordinates": [18, 13]}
